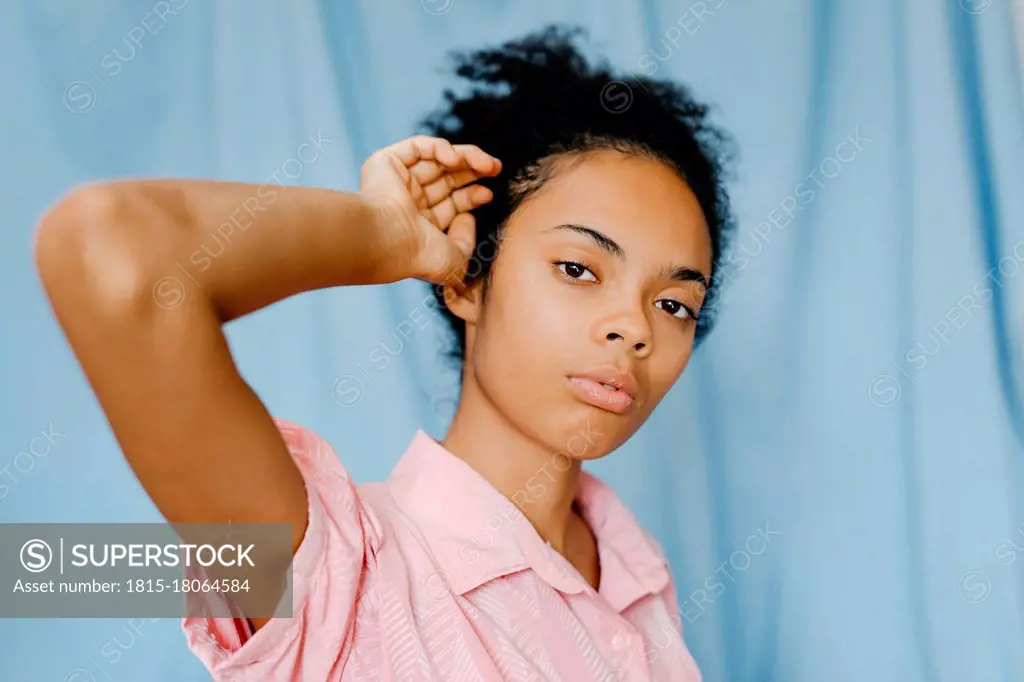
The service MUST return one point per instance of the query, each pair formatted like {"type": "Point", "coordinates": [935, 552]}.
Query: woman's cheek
{"type": "Point", "coordinates": [547, 310]}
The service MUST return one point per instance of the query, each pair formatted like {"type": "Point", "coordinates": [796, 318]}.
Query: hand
{"type": "Point", "coordinates": [421, 188]}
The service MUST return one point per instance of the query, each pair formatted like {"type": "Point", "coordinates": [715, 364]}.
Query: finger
{"type": "Point", "coordinates": [456, 266]}
{"type": "Point", "coordinates": [461, 201]}
{"type": "Point", "coordinates": [394, 161]}
{"type": "Point", "coordinates": [427, 172]}
{"type": "Point", "coordinates": [443, 261]}
{"type": "Point", "coordinates": [448, 183]}
{"type": "Point", "coordinates": [422, 147]}
{"type": "Point", "coordinates": [462, 231]}
{"type": "Point", "coordinates": [479, 160]}
{"type": "Point", "coordinates": [429, 216]}
{"type": "Point", "coordinates": [469, 157]}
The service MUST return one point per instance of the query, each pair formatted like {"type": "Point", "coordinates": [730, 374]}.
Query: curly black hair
{"type": "Point", "coordinates": [537, 100]}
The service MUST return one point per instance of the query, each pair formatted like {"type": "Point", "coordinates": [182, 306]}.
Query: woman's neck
{"type": "Point", "coordinates": [540, 481]}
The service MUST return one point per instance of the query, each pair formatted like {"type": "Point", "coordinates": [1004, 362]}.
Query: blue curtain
{"type": "Point", "coordinates": [837, 479]}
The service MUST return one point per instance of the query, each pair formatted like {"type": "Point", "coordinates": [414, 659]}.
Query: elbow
{"type": "Point", "coordinates": [89, 254]}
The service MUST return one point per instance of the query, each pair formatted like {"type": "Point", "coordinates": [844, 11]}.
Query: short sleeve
{"type": "Point", "coordinates": [326, 574]}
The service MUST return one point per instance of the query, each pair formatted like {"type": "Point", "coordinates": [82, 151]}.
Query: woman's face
{"type": "Point", "coordinates": [590, 312]}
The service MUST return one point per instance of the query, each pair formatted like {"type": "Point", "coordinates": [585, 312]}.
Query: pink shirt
{"type": "Point", "coordinates": [435, 575]}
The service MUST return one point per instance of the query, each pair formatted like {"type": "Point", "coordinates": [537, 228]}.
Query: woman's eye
{"type": "Point", "coordinates": [674, 308]}
{"type": "Point", "coordinates": [576, 271]}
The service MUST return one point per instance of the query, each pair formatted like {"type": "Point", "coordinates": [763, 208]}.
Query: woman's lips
{"type": "Point", "coordinates": [597, 394]}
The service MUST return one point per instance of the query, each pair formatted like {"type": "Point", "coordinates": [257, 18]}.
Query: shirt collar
{"type": "Point", "coordinates": [477, 534]}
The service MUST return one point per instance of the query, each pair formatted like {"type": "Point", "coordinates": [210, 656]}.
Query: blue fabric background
{"type": "Point", "coordinates": [852, 406]}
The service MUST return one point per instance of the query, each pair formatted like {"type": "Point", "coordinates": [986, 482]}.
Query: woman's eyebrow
{"type": "Point", "coordinates": [602, 240]}
{"type": "Point", "coordinates": [680, 273]}
{"type": "Point", "coordinates": [677, 273]}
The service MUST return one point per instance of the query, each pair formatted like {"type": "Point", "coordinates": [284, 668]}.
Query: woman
{"type": "Point", "coordinates": [573, 226]}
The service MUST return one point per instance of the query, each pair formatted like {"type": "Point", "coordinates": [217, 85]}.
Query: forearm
{"type": "Point", "coordinates": [143, 274]}
{"type": "Point", "coordinates": [232, 246]}
{"type": "Point", "coordinates": [197, 436]}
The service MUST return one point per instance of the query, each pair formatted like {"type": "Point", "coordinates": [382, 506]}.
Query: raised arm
{"type": "Point", "coordinates": [142, 305]}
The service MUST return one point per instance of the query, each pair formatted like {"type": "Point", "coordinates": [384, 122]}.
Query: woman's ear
{"type": "Point", "coordinates": [466, 304]}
